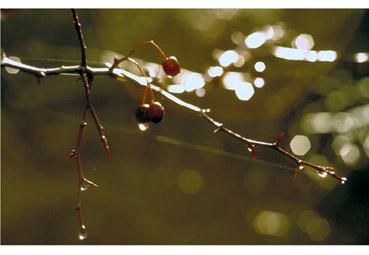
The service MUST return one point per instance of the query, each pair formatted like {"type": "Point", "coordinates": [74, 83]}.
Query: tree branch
{"type": "Point", "coordinates": [203, 112]}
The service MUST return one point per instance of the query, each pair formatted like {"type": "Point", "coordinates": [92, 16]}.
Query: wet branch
{"type": "Point", "coordinates": [322, 170]}
{"type": "Point", "coordinates": [204, 112]}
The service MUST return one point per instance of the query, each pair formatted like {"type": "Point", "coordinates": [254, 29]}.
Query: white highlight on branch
{"type": "Point", "coordinates": [142, 81]}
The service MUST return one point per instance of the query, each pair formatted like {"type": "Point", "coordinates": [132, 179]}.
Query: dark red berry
{"type": "Point", "coordinates": [171, 66]}
{"type": "Point", "coordinates": [156, 112]}
{"type": "Point", "coordinates": [142, 113]}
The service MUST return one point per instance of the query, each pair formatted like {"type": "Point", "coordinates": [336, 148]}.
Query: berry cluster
{"type": "Point", "coordinates": [154, 112]}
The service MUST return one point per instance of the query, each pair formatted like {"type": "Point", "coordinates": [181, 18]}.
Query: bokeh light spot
{"type": "Point", "coordinates": [312, 56]}
{"type": "Point", "coordinates": [200, 92]}
{"type": "Point", "coordinates": [244, 91]}
{"type": "Point", "coordinates": [215, 71]}
{"type": "Point", "coordinates": [228, 57]}
{"type": "Point", "coordinates": [191, 81]}
{"type": "Point", "coordinates": [231, 79]}
{"type": "Point", "coordinates": [288, 53]}
{"type": "Point", "coordinates": [259, 66]}
{"type": "Point", "coordinates": [366, 145]}
{"type": "Point", "coordinates": [312, 224]}
{"type": "Point", "coordinates": [361, 57]}
{"type": "Point", "coordinates": [320, 122]}
{"type": "Point", "coordinates": [237, 37]}
{"type": "Point", "coordinates": [176, 88]}
{"type": "Point", "coordinates": [255, 40]}
{"type": "Point", "coordinates": [300, 145]}
{"type": "Point", "coordinates": [190, 181]}
{"type": "Point", "coordinates": [271, 223]}
{"type": "Point", "coordinates": [303, 42]}
{"type": "Point", "coordinates": [350, 153]}
{"type": "Point", "coordinates": [327, 55]}
{"type": "Point", "coordinates": [318, 229]}
{"type": "Point", "coordinates": [259, 82]}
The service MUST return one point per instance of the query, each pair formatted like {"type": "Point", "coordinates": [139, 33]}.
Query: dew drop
{"type": "Point", "coordinates": [301, 167]}
{"type": "Point", "coordinates": [82, 235]}
{"type": "Point", "coordinates": [322, 174]}
{"type": "Point", "coordinates": [143, 126]}
{"type": "Point", "coordinates": [343, 180]}
{"type": "Point", "coordinates": [84, 186]}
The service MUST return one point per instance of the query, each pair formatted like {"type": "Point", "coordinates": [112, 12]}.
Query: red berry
{"type": "Point", "coordinates": [142, 113]}
{"type": "Point", "coordinates": [156, 112]}
{"type": "Point", "coordinates": [171, 66]}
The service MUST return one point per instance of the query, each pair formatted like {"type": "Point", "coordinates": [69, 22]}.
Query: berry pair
{"type": "Point", "coordinates": [153, 112]}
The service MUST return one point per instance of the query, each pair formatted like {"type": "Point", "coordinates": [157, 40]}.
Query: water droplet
{"type": "Point", "coordinates": [343, 180]}
{"type": "Point", "coordinates": [332, 172]}
{"type": "Point", "coordinates": [83, 123]}
{"type": "Point", "coordinates": [84, 186]}
{"type": "Point", "coordinates": [301, 167]}
{"type": "Point", "coordinates": [82, 235]}
{"type": "Point", "coordinates": [143, 126]}
{"type": "Point", "coordinates": [322, 174]}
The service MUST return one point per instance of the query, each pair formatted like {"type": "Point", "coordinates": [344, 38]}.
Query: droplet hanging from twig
{"type": "Point", "coordinates": [82, 235]}
{"type": "Point", "coordinates": [322, 174]}
{"type": "Point", "coordinates": [84, 186]}
{"type": "Point", "coordinates": [143, 126]}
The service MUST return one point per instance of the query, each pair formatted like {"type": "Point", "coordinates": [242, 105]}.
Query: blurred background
{"type": "Point", "coordinates": [303, 72]}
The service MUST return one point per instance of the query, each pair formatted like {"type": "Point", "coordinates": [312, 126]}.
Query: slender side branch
{"type": "Point", "coordinates": [78, 27]}
{"type": "Point", "coordinates": [322, 170]}
{"type": "Point", "coordinates": [87, 86]}
{"type": "Point", "coordinates": [204, 112]}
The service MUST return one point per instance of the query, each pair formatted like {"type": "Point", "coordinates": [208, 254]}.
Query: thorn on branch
{"type": "Point", "coordinates": [218, 129]}
{"type": "Point", "coordinates": [278, 141]}
{"type": "Point", "coordinates": [105, 144]}
{"type": "Point", "coordinates": [251, 149]}
{"type": "Point", "coordinates": [71, 154]}
{"type": "Point", "coordinates": [90, 182]}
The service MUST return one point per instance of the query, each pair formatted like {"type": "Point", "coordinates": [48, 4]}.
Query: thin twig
{"type": "Point", "coordinates": [87, 79]}
{"type": "Point", "coordinates": [78, 27]}
{"type": "Point", "coordinates": [204, 112]}
{"type": "Point", "coordinates": [323, 170]}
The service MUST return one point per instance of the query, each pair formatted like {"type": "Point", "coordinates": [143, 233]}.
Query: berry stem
{"type": "Point", "coordinates": [149, 42]}
{"type": "Point", "coordinates": [148, 85]}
